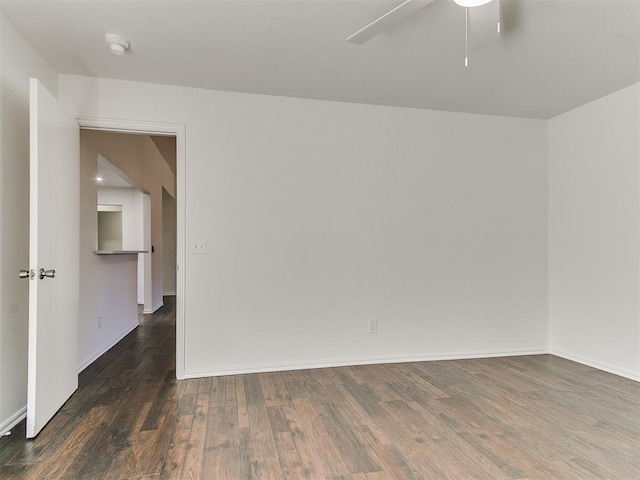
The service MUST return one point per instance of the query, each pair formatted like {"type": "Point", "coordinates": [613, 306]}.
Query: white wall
{"type": "Point", "coordinates": [19, 61]}
{"type": "Point", "coordinates": [157, 175]}
{"type": "Point", "coordinates": [145, 272]}
{"type": "Point", "coordinates": [169, 243]}
{"type": "Point", "coordinates": [132, 215]}
{"type": "Point", "coordinates": [320, 216]}
{"type": "Point", "coordinates": [594, 240]}
{"type": "Point", "coordinates": [133, 232]}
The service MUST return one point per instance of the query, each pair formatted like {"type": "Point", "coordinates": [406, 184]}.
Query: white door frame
{"type": "Point", "coordinates": [179, 131]}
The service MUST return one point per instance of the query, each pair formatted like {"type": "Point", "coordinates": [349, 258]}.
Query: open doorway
{"type": "Point", "coordinates": [128, 187]}
{"type": "Point", "coordinates": [177, 131]}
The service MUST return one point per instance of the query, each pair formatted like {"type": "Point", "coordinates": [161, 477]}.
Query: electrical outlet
{"type": "Point", "coordinates": [372, 327]}
{"type": "Point", "coordinates": [99, 322]}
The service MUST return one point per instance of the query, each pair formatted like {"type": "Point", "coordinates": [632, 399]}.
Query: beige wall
{"type": "Point", "coordinates": [167, 147]}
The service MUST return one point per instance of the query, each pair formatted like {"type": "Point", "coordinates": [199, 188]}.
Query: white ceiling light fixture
{"type": "Point", "coordinates": [471, 3]}
{"type": "Point", "coordinates": [118, 43]}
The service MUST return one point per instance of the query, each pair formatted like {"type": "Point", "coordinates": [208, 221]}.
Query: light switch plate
{"type": "Point", "coordinates": [199, 247]}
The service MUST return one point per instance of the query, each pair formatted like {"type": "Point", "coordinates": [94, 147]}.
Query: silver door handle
{"type": "Point", "coordinates": [47, 273]}
{"type": "Point", "coordinates": [27, 274]}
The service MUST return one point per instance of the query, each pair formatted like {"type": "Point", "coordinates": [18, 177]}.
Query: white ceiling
{"type": "Point", "coordinates": [554, 55]}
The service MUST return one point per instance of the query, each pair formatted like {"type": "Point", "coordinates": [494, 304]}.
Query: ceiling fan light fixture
{"type": "Point", "coordinates": [471, 3]}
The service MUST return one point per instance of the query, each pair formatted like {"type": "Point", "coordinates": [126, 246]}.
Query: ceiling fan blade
{"type": "Point", "coordinates": [392, 17]}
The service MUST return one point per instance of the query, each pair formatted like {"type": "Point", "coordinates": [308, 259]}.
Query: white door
{"type": "Point", "coordinates": [53, 258]}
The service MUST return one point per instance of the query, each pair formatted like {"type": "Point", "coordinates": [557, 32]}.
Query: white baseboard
{"type": "Point", "coordinates": [153, 309]}
{"type": "Point", "coordinates": [13, 420]}
{"type": "Point", "coordinates": [169, 294]}
{"type": "Point", "coordinates": [346, 362]}
{"type": "Point", "coordinates": [598, 365]}
{"type": "Point", "coordinates": [107, 347]}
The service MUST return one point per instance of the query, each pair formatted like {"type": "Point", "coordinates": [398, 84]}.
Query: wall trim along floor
{"type": "Point", "coordinates": [345, 362]}
{"type": "Point", "coordinates": [13, 420]}
{"type": "Point", "coordinates": [590, 363]}
{"type": "Point", "coordinates": [153, 309]}
{"type": "Point", "coordinates": [108, 346]}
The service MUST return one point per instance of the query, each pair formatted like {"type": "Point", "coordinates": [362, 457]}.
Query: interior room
{"type": "Point", "coordinates": [351, 240]}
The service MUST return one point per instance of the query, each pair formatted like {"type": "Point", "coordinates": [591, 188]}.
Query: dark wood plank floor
{"type": "Point", "coordinates": [512, 418]}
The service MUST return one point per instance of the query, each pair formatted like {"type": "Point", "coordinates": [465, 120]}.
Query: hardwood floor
{"type": "Point", "coordinates": [536, 417]}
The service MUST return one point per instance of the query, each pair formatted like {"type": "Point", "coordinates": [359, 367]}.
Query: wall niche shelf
{"type": "Point", "coordinates": [120, 252]}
